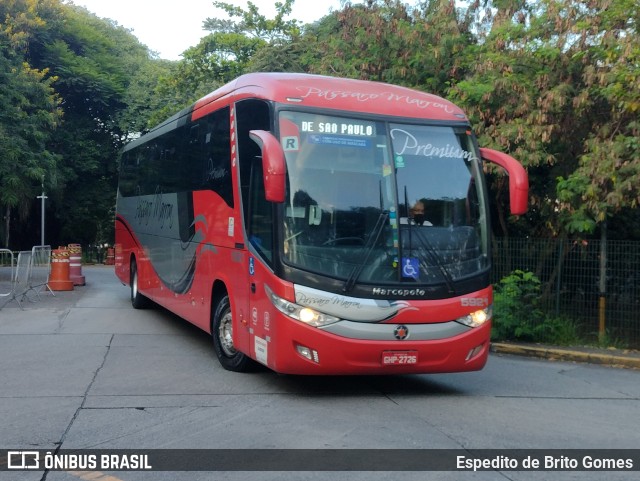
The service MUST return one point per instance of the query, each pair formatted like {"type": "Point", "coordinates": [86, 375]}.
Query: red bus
{"type": "Point", "coordinates": [316, 225]}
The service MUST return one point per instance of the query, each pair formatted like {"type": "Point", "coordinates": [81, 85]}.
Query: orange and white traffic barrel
{"type": "Point", "coordinates": [75, 264]}
{"type": "Point", "coordinates": [111, 256]}
{"type": "Point", "coordinates": [59, 279]}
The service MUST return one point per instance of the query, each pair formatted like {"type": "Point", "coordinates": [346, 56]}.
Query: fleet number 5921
{"type": "Point", "coordinates": [474, 301]}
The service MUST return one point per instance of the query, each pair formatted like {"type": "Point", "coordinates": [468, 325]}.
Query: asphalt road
{"type": "Point", "coordinates": [83, 370]}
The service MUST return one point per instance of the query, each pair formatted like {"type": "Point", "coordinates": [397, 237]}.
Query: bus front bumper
{"type": "Point", "coordinates": [299, 349]}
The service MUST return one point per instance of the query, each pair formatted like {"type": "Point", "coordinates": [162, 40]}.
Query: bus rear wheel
{"type": "Point", "coordinates": [138, 301]}
{"type": "Point", "coordinates": [222, 333]}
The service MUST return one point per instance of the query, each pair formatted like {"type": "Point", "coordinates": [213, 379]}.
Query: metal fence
{"type": "Point", "coordinates": [24, 277]}
{"type": "Point", "coordinates": [570, 272]}
{"type": "Point", "coordinates": [39, 270]}
{"type": "Point", "coordinates": [7, 275]}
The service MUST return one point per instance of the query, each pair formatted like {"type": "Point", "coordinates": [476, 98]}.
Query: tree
{"type": "Point", "coordinates": [226, 53]}
{"type": "Point", "coordinates": [607, 178]}
{"type": "Point", "coordinates": [366, 41]}
{"type": "Point", "coordinates": [74, 89]}
{"type": "Point", "coordinates": [386, 40]}
{"type": "Point", "coordinates": [518, 93]}
{"type": "Point", "coordinates": [29, 112]}
{"type": "Point", "coordinates": [252, 24]}
{"type": "Point", "coordinates": [148, 98]}
{"type": "Point", "coordinates": [98, 64]}
{"type": "Point", "coordinates": [555, 83]}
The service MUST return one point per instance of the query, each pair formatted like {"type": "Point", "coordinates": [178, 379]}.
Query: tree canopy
{"type": "Point", "coordinates": [67, 106]}
{"type": "Point", "coordinates": [555, 83]}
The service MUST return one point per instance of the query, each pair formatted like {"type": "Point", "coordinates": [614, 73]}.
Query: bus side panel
{"type": "Point", "coordinates": [195, 305]}
{"type": "Point", "coordinates": [125, 245]}
{"type": "Point", "coordinates": [128, 247]}
{"type": "Point", "coordinates": [210, 249]}
{"type": "Point", "coordinates": [226, 266]}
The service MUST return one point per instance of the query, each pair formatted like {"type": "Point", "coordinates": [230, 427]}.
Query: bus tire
{"type": "Point", "coordinates": [222, 333]}
{"type": "Point", "coordinates": [138, 301]}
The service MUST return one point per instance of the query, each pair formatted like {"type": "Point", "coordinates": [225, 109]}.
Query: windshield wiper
{"type": "Point", "coordinates": [369, 246]}
{"type": "Point", "coordinates": [426, 248]}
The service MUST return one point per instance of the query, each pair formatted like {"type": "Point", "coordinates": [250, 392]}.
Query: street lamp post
{"type": "Point", "coordinates": [42, 197]}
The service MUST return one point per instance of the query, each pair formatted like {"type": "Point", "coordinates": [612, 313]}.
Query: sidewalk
{"type": "Point", "coordinates": [609, 357]}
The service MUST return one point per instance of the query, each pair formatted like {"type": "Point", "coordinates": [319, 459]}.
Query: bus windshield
{"type": "Point", "coordinates": [382, 202]}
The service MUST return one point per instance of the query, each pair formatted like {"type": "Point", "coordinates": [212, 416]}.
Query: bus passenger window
{"type": "Point", "coordinates": [216, 160]}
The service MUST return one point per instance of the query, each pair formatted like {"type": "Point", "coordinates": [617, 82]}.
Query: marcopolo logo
{"type": "Point", "coordinates": [380, 291]}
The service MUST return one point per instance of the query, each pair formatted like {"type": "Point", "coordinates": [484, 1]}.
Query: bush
{"type": "Point", "coordinates": [558, 330]}
{"type": "Point", "coordinates": [515, 309]}
{"type": "Point", "coordinates": [517, 315]}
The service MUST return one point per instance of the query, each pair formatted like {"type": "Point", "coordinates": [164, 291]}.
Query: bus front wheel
{"type": "Point", "coordinates": [222, 333]}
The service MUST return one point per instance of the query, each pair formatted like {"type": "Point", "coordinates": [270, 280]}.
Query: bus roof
{"type": "Point", "coordinates": [333, 93]}
{"type": "Point", "coordinates": [296, 89]}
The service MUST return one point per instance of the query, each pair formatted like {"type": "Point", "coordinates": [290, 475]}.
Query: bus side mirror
{"type": "Point", "coordinates": [273, 165]}
{"type": "Point", "coordinates": [518, 179]}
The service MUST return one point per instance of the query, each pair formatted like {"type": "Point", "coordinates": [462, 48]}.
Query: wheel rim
{"type": "Point", "coordinates": [225, 335]}
{"type": "Point", "coordinates": [134, 284]}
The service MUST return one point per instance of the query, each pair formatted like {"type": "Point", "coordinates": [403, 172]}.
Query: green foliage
{"type": "Point", "coordinates": [607, 340]}
{"type": "Point", "coordinates": [252, 24]}
{"type": "Point", "coordinates": [559, 331]}
{"type": "Point", "coordinates": [608, 170]}
{"type": "Point", "coordinates": [515, 311]}
{"type": "Point", "coordinates": [146, 104]}
{"type": "Point", "coordinates": [29, 113]}
{"type": "Point", "coordinates": [555, 83]}
{"type": "Point", "coordinates": [227, 52]}
{"type": "Point", "coordinates": [387, 40]}
{"type": "Point", "coordinates": [95, 62]}
{"type": "Point", "coordinates": [517, 315]}
{"type": "Point", "coordinates": [65, 111]}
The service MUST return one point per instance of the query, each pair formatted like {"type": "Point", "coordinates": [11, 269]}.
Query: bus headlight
{"type": "Point", "coordinates": [477, 318]}
{"type": "Point", "coordinates": [300, 313]}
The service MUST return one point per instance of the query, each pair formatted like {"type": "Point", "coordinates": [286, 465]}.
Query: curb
{"type": "Point", "coordinates": [617, 358]}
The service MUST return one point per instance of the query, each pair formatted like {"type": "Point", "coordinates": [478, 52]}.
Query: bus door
{"type": "Point", "coordinates": [259, 228]}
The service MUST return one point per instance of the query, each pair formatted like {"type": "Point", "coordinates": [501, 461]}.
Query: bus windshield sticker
{"type": "Point", "coordinates": [291, 144]}
{"type": "Point", "coordinates": [393, 219]}
{"type": "Point", "coordinates": [410, 267]}
{"type": "Point", "coordinates": [339, 141]}
{"type": "Point", "coordinates": [406, 143]}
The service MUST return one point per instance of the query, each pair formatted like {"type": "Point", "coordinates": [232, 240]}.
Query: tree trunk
{"type": "Point", "coordinates": [7, 225]}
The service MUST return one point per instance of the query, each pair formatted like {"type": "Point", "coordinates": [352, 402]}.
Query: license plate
{"type": "Point", "coordinates": [395, 358]}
